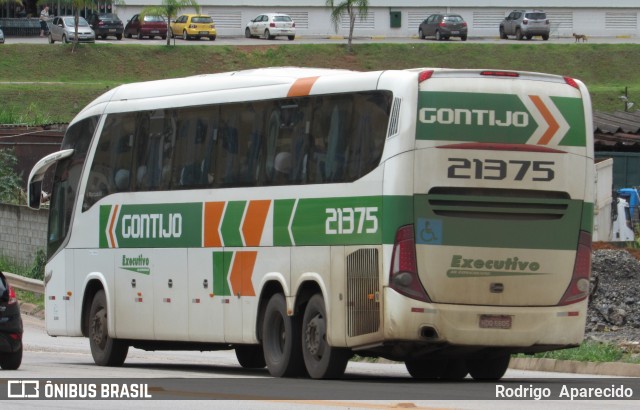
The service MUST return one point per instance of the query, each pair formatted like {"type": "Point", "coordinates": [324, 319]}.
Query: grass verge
{"type": "Point", "coordinates": [591, 351]}
{"type": "Point", "coordinates": [60, 83]}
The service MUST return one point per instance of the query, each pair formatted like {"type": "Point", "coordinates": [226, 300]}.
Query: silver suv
{"type": "Point", "coordinates": [525, 24]}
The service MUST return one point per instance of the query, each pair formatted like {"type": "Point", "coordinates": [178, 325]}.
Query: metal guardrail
{"type": "Point", "coordinates": [22, 283]}
{"type": "Point", "coordinates": [20, 27]}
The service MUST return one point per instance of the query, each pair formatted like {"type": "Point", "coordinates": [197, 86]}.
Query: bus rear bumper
{"type": "Point", "coordinates": [508, 326]}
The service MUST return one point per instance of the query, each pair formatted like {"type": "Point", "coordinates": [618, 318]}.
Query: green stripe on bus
{"type": "Point", "coordinates": [230, 228]}
{"type": "Point", "coordinates": [221, 264]}
{"type": "Point", "coordinates": [587, 217]}
{"type": "Point", "coordinates": [105, 210]}
{"type": "Point", "coordinates": [156, 226]}
{"type": "Point", "coordinates": [397, 211]}
{"type": "Point", "coordinates": [282, 209]}
{"type": "Point", "coordinates": [499, 118]}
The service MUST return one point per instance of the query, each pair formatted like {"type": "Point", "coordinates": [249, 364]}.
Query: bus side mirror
{"type": "Point", "coordinates": [35, 193]}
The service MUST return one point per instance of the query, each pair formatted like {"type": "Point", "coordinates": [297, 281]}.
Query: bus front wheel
{"type": "Point", "coordinates": [250, 356]}
{"type": "Point", "coordinates": [281, 340]}
{"type": "Point", "coordinates": [321, 360]}
{"type": "Point", "coordinates": [105, 350]}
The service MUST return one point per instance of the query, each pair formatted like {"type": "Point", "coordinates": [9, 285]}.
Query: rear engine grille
{"type": "Point", "coordinates": [363, 287]}
{"type": "Point", "coordinates": [490, 203]}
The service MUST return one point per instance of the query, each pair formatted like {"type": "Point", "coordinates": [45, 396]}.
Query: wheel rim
{"type": "Point", "coordinates": [438, 35]}
{"type": "Point", "coordinates": [184, 35]}
{"type": "Point", "coordinates": [267, 34]}
{"type": "Point", "coordinates": [99, 328]}
{"type": "Point", "coordinates": [314, 336]}
{"type": "Point", "coordinates": [247, 33]}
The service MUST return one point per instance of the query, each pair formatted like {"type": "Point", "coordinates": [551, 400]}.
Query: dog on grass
{"type": "Point", "coordinates": [579, 37]}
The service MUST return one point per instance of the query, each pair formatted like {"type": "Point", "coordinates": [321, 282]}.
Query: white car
{"type": "Point", "coordinates": [1, 36]}
{"type": "Point", "coordinates": [271, 25]}
{"type": "Point", "coordinates": [63, 29]}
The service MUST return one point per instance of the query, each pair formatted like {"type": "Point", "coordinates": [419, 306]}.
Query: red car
{"type": "Point", "coordinates": [149, 26]}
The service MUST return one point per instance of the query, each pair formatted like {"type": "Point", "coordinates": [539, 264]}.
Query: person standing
{"type": "Point", "coordinates": [44, 16]}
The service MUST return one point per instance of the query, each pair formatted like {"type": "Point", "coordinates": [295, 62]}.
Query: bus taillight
{"type": "Point", "coordinates": [403, 276]}
{"type": "Point", "coordinates": [579, 286]}
{"type": "Point", "coordinates": [424, 75]}
{"type": "Point", "coordinates": [570, 81]}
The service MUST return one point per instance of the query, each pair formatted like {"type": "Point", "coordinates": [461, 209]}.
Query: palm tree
{"type": "Point", "coordinates": [169, 10]}
{"type": "Point", "coordinates": [351, 7]}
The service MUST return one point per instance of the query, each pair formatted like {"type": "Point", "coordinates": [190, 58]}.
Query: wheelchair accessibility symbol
{"type": "Point", "coordinates": [429, 231]}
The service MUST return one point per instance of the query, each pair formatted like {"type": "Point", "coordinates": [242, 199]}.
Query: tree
{"type": "Point", "coordinates": [169, 10]}
{"type": "Point", "coordinates": [9, 181]}
{"type": "Point", "coordinates": [352, 8]}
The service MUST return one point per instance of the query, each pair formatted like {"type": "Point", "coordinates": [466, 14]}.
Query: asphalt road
{"type": "Point", "coordinates": [214, 379]}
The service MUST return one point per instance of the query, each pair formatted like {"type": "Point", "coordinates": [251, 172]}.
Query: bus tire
{"type": "Point", "coordinates": [425, 368]}
{"type": "Point", "coordinates": [447, 369]}
{"type": "Point", "coordinates": [491, 368]}
{"type": "Point", "coordinates": [321, 360]}
{"type": "Point", "coordinates": [281, 340]}
{"type": "Point", "coordinates": [105, 350]}
{"type": "Point", "coordinates": [250, 356]}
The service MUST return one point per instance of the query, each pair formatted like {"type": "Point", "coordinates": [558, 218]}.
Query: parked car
{"type": "Point", "coordinates": [106, 24]}
{"type": "Point", "coordinates": [1, 36]}
{"type": "Point", "coordinates": [443, 27]}
{"type": "Point", "coordinates": [193, 26]}
{"type": "Point", "coordinates": [525, 24]}
{"type": "Point", "coordinates": [147, 26]}
{"type": "Point", "coordinates": [10, 327]}
{"type": "Point", "coordinates": [63, 29]}
{"type": "Point", "coordinates": [270, 26]}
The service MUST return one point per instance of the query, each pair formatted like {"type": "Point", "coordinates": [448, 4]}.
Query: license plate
{"type": "Point", "coordinates": [204, 32]}
{"type": "Point", "coordinates": [112, 30]}
{"type": "Point", "coordinates": [155, 31]}
{"type": "Point", "coordinates": [495, 322]}
{"type": "Point", "coordinates": [455, 32]}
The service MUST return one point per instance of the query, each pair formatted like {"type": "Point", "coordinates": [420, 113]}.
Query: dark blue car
{"type": "Point", "coordinates": [10, 327]}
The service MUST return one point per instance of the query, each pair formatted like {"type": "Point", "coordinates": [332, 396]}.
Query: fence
{"type": "Point", "coordinates": [20, 27]}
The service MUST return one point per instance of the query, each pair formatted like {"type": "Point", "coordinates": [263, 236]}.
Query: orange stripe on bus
{"type": "Point", "coordinates": [241, 273]}
{"type": "Point", "coordinates": [212, 217]}
{"type": "Point", "coordinates": [111, 225]}
{"type": "Point", "coordinates": [302, 87]}
{"type": "Point", "coordinates": [254, 221]}
{"type": "Point", "coordinates": [548, 117]}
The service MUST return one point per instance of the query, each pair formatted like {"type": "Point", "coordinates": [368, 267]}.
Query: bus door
{"type": "Point", "coordinates": [170, 289]}
{"type": "Point", "coordinates": [205, 296]}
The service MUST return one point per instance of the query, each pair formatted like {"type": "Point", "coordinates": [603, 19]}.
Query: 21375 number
{"type": "Point", "coordinates": [497, 169]}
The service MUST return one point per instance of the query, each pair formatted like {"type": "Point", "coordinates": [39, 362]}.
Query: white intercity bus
{"type": "Point", "coordinates": [300, 216]}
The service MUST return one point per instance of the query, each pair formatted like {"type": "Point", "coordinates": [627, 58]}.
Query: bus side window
{"type": "Point", "coordinates": [337, 141]}
{"type": "Point", "coordinates": [113, 154]}
{"type": "Point", "coordinates": [368, 132]}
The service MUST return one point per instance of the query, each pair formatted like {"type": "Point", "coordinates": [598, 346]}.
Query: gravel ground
{"type": "Point", "coordinates": [614, 304]}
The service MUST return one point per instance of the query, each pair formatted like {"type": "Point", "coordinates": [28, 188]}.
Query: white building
{"type": "Point", "coordinates": [401, 18]}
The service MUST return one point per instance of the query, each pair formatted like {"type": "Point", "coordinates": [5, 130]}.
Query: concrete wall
{"type": "Point", "coordinates": [22, 232]}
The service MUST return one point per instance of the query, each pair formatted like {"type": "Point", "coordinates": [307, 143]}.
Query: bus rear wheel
{"type": "Point", "coordinates": [321, 360]}
{"type": "Point", "coordinates": [281, 340]}
{"type": "Point", "coordinates": [105, 350]}
{"type": "Point", "coordinates": [491, 368]}
{"type": "Point", "coordinates": [250, 356]}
